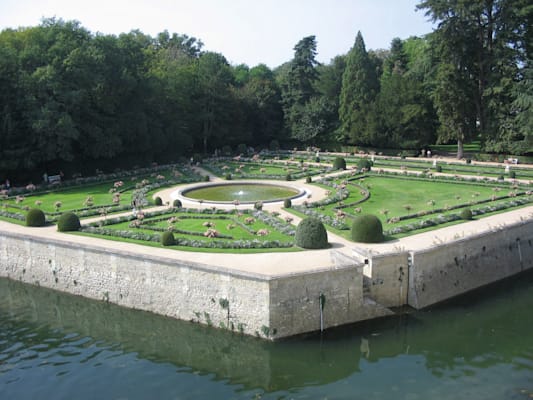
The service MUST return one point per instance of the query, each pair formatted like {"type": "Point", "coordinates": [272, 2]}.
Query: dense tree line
{"type": "Point", "coordinates": [75, 101]}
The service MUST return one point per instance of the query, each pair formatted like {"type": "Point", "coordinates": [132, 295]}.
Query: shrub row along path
{"type": "Point", "coordinates": [281, 263]}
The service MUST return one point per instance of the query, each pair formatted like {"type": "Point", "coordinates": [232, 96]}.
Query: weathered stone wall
{"type": "Point", "coordinates": [451, 269]}
{"type": "Point", "coordinates": [149, 283]}
{"type": "Point", "coordinates": [387, 280]}
{"type": "Point", "coordinates": [270, 307]}
{"type": "Point", "coordinates": [295, 301]}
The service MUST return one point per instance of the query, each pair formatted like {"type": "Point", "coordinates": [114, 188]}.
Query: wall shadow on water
{"type": "Point", "coordinates": [480, 330]}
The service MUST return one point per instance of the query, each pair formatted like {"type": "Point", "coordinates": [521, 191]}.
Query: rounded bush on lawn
{"type": "Point", "coordinates": [364, 163]}
{"type": "Point", "coordinates": [288, 177]}
{"type": "Point", "coordinates": [367, 229]}
{"type": "Point", "coordinates": [35, 217]}
{"type": "Point", "coordinates": [287, 203]}
{"type": "Point", "coordinates": [177, 203]}
{"type": "Point", "coordinates": [158, 201]}
{"type": "Point", "coordinates": [308, 179]}
{"type": "Point", "coordinates": [311, 234]}
{"type": "Point", "coordinates": [466, 214]}
{"type": "Point", "coordinates": [438, 168]}
{"type": "Point", "coordinates": [68, 222]}
{"type": "Point", "coordinates": [512, 174]}
{"type": "Point", "coordinates": [167, 238]}
{"type": "Point", "coordinates": [339, 163]}
{"type": "Point", "coordinates": [228, 177]}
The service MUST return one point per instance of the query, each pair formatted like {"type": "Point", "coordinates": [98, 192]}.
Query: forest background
{"type": "Point", "coordinates": [74, 101]}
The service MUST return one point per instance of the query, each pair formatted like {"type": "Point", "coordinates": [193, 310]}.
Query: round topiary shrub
{"type": "Point", "coordinates": [438, 168]}
{"type": "Point", "coordinates": [167, 238]}
{"type": "Point", "coordinates": [308, 179]}
{"type": "Point", "coordinates": [288, 177]}
{"type": "Point", "coordinates": [258, 206]}
{"type": "Point", "coordinates": [206, 178]}
{"type": "Point", "coordinates": [364, 163]}
{"type": "Point", "coordinates": [158, 201]}
{"type": "Point", "coordinates": [287, 203]}
{"type": "Point", "coordinates": [339, 163]}
{"type": "Point", "coordinates": [228, 177]}
{"type": "Point", "coordinates": [35, 217]}
{"type": "Point", "coordinates": [177, 203]}
{"type": "Point", "coordinates": [466, 214]}
{"type": "Point", "coordinates": [311, 234]}
{"type": "Point", "coordinates": [512, 174]}
{"type": "Point", "coordinates": [68, 222]}
{"type": "Point", "coordinates": [367, 229]}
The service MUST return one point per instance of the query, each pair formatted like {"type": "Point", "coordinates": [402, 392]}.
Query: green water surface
{"type": "Point", "coordinates": [241, 192]}
{"type": "Point", "coordinates": [57, 346]}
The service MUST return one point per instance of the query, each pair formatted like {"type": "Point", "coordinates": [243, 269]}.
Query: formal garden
{"type": "Point", "coordinates": [368, 199]}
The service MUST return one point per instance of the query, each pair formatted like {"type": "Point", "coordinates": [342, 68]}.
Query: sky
{"type": "Point", "coordinates": [244, 31]}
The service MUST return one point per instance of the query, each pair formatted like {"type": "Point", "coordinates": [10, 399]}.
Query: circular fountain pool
{"type": "Point", "coordinates": [243, 192]}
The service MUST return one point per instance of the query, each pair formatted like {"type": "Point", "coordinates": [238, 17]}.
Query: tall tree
{"type": "Point", "coordinates": [299, 86]}
{"type": "Point", "coordinates": [214, 80]}
{"type": "Point", "coordinates": [329, 86]}
{"type": "Point", "coordinates": [477, 45]}
{"type": "Point", "coordinates": [265, 114]}
{"type": "Point", "coordinates": [360, 87]}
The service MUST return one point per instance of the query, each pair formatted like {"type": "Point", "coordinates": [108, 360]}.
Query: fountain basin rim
{"type": "Point", "coordinates": [183, 192]}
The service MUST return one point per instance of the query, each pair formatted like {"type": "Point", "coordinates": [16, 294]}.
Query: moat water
{"type": "Point", "coordinates": [56, 346]}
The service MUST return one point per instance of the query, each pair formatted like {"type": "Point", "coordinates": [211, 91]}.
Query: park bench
{"type": "Point", "coordinates": [54, 179]}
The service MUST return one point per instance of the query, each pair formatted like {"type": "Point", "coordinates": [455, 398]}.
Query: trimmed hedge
{"type": "Point", "coordinates": [339, 163]}
{"type": "Point", "coordinates": [167, 239]}
{"type": "Point", "coordinates": [177, 203]}
{"type": "Point", "coordinates": [311, 234]}
{"type": "Point", "coordinates": [367, 229]}
{"type": "Point", "coordinates": [35, 217]}
{"type": "Point", "coordinates": [158, 201]}
{"type": "Point", "coordinates": [287, 203]}
{"type": "Point", "coordinates": [68, 222]}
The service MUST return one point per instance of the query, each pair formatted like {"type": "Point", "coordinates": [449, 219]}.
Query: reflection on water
{"type": "Point", "coordinates": [59, 346]}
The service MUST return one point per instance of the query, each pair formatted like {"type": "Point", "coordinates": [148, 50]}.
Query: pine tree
{"type": "Point", "coordinates": [360, 86]}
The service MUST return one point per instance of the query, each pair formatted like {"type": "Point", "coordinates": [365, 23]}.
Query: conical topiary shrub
{"type": "Point", "coordinates": [68, 222]}
{"type": "Point", "coordinates": [311, 234]}
{"type": "Point", "coordinates": [167, 238]}
{"type": "Point", "coordinates": [367, 229]}
{"type": "Point", "coordinates": [339, 163]}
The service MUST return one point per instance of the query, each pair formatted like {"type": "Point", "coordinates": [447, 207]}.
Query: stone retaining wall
{"type": "Point", "coordinates": [450, 269]}
{"type": "Point", "coordinates": [267, 306]}
{"type": "Point", "coordinates": [271, 307]}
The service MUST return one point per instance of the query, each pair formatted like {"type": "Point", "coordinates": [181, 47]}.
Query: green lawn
{"type": "Point", "coordinates": [270, 169]}
{"type": "Point", "coordinates": [404, 204]}
{"type": "Point", "coordinates": [91, 199]}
